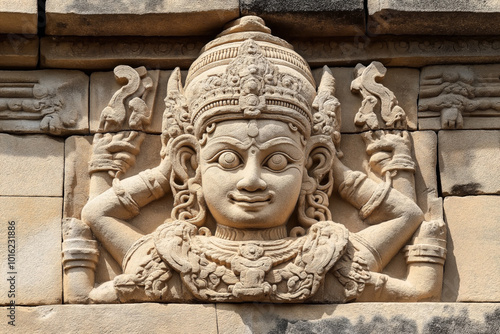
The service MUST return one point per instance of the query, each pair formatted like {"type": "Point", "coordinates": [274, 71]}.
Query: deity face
{"type": "Point", "coordinates": [252, 172]}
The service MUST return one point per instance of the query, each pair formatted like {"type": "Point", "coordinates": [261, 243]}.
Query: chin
{"type": "Point", "coordinates": [248, 220]}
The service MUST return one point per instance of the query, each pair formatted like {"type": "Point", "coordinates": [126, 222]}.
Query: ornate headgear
{"type": "Point", "coordinates": [248, 73]}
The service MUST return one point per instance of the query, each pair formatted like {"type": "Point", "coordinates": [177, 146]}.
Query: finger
{"type": "Point", "coordinates": [367, 137]}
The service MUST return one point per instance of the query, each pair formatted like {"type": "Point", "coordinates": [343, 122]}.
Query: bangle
{"type": "Point", "coordinates": [375, 200]}
{"type": "Point", "coordinates": [103, 163]}
{"type": "Point", "coordinates": [125, 198]}
{"type": "Point", "coordinates": [425, 253]}
{"type": "Point", "coordinates": [153, 180]}
{"type": "Point", "coordinates": [400, 162]}
{"type": "Point", "coordinates": [351, 183]}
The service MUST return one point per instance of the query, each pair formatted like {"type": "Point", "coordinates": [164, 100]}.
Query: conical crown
{"type": "Point", "coordinates": [248, 73]}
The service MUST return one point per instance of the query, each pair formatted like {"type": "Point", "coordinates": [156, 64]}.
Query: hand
{"type": "Point", "coordinates": [383, 147]}
{"type": "Point", "coordinates": [435, 229]}
{"type": "Point", "coordinates": [116, 152]}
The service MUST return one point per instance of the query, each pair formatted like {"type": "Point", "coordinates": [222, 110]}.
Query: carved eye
{"type": "Point", "coordinates": [229, 160]}
{"type": "Point", "coordinates": [277, 162]}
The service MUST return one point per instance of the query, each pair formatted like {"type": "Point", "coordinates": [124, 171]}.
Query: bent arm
{"type": "Point", "coordinates": [106, 213]}
{"type": "Point", "coordinates": [392, 216]}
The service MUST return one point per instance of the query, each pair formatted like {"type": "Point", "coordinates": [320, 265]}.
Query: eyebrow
{"type": "Point", "coordinates": [224, 142]}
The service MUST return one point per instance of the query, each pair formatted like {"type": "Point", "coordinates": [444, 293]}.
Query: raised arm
{"type": "Point", "coordinates": [392, 214]}
{"type": "Point", "coordinates": [106, 214]}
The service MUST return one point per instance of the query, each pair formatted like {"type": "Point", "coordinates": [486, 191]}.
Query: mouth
{"type": "Point", "coordinates": [250, 201]}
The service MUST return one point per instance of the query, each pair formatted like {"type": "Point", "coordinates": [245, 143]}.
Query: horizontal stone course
{"type": "Point", "coordinates": [309, 18]}
{"type": "Point", "coordinates": [259, 318]}
{"type": "Point", "coordinates": [18, 51]}
{"type": "Point", "coordinates": [445, 17]}
{"type": "Point", "coordinates": [18, 17]}
{"type": "Point", "coordinates": [125, 318]}
{"type": "Point", "coordinates": [147, 18]}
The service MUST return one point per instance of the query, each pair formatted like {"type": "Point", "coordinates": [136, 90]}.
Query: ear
{"type": "Point", "coordinates": [317, 182]}
{"type": "Point", "coordinates": [185, 180]}
{"type": "Point", "coordinates": [320, 154]}
{"type": "Point", "coordinates": [183, 152]}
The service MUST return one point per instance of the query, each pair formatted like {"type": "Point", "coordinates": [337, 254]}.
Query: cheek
{"type": "Point", "coordinates": [286, 184]}
{"type": "Point", "coordinates": [216, 181]}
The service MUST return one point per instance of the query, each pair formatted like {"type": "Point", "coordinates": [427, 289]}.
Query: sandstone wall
{"type": "Point", "coordinates": [56, 61]}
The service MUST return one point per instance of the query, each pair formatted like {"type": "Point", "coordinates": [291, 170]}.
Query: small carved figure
{"type": "Point", "coordinates": [249, 143]}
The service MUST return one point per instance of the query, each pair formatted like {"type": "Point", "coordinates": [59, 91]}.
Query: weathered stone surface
{"type": "Point", "coordinates": [78, 152]}
{"type": "Point", "coordinates": [31, 165]}
{"type": "Point", "coordinates": [37, 267]}
{"type": "Point", "coordinates": [425, 151]}
{"type": "Point", "coordinates": [18, 17]}
{"type": "Point", "coordinates": [359, 318]}
{"type": "Point", "coordinates": [472, 267]}
{"type": "Point", "coordinates": [459, 97]}
{"type": "Point", "coordinates": [47, 101]}
{"type": "Point", "coordinates": [104, 53]}
{"type": "Point", "coordinates": [469, 162]}
{"type": "Point", "coordinates": [18, 51]}
{"type": "Point", "coordinates": [249, 156]}
{"type": "Point", "coordinates": [103, 85]}
{"type": "Point", "coordinates": [409, 51]}
{"type": "Point", "coordinates": [149, 18]}
{"type": "Point", "coordinates": [446, 17]}
{"type": "Point", "coordinates": [309, 18]}
{"type": "Point", "coordinates": [126, 318]}
{"type": "Point", "coordinates": [402, 81]}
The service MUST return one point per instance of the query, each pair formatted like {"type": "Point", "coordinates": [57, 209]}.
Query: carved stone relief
{"type": "Point", "coordinates": [44, 102]}
{"type": "Point", "coordinates": [456, 97]}
{"type": "Point", "coordinates": [250, 155]}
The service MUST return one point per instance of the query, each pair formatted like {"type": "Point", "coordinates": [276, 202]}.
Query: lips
{"type": "Point", "coordinates": [250, 200]}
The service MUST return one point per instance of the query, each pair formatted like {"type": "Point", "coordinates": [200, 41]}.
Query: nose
{"type": "Point", "coordinates": [251, 180]}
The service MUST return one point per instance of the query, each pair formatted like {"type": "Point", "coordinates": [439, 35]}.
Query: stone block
{"type": "Point", "coordinates": [391, 50]}
{"type": "Point", "coordinates": [31, 165]}
{"type": "Point", "coordinates": [472, 267]}
{"type": "Point", "coordinates": [459, 97]}
{"type": "Point", "coordinates": [48, 101]}
{"type": "Point", "coordinates": [18, 17]}
{"type": "Point", "coordinates": [125, 318]}
{"type": "Point", "coordinates": [469, 162]}
{"type": "Point", "coordinates": [104, 53]}
{"type": "Point", "coordinates": [309, 18]}
{"type": "Point", "coordinates": [148, 18]}
{"type": "Point", "coordinates": [103, 86]}
{"type": "Point", "coordinates": [403, 82]}
{"type": "Point", "coordinates": [35, 264]}
{"type": "Point", "coordinates": [359, 318]}
{"type": "Point", "coordinates": [77, 152]}
{"type": "Point", "coordinates": [18, 51]}
{"type": "Point", "coordinates": [427, 17]}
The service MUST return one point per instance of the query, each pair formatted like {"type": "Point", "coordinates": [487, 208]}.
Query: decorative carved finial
{"type": "Point", "coordinates": [366, 83]}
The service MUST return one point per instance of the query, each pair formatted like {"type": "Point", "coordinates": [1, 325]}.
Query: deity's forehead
{"type": "Point", "coordinates": [261, 130]}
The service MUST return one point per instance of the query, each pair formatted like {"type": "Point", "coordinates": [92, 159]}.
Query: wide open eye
{"type": "Point", "coordinates": [229, 160]}
{"type": "Point", "coordinates": [277, 162]}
